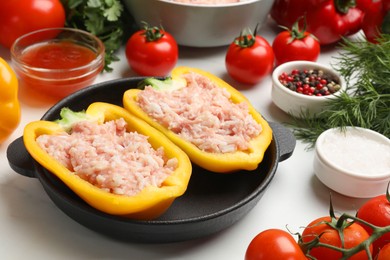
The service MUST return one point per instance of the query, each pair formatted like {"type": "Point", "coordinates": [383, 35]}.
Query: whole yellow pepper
{"type": "Point", "coordinates": [9, 103]}
{"type": "Point", "coordinates": [216, 162]}
{"type": "Point", "coordinates": [151, 202]}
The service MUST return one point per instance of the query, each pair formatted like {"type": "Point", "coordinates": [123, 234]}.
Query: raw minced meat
{"type": "Point", "coordinates": [110, 158]}
{"type": "Point", "coordinates": [203, 114]}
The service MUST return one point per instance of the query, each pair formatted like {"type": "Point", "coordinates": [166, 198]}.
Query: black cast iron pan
{"type": "Point", "coordinates": [211, 203]}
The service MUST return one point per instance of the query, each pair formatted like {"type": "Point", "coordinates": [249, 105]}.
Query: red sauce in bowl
{"type": "Point", "coordinates": [56, 62]}
{"type": "Point", "coordinates": [57, 55]}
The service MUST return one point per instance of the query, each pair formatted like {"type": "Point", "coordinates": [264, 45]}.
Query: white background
{"type": "Point", "coordinates": [32, 227]}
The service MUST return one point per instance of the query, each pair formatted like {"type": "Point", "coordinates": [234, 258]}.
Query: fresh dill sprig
{"type": "Point", "coordinates": [365, 103]}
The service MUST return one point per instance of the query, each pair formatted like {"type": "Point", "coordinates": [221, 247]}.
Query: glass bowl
{"type": "Point", "coordinates": [56, 62]}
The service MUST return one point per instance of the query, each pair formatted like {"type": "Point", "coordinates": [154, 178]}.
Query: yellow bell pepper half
{"type": "Point", "coordinates": [9, 103]}
{"type": "Point", "coordinates": [216, 162]}
{"type": "Point", "coordinates": [151, 202]}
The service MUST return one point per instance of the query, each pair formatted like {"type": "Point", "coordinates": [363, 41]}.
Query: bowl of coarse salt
{"type": "Point", "coordinates": [353, 161]}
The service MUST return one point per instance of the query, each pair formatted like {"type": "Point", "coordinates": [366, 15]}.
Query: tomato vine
{"type": "Point", "coordinates": [340, 224]}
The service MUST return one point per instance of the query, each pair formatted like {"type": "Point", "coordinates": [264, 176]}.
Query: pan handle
{"type": "Point", "coordinates": [285, 140]}
{"type": "Point", "coordinates": [19, 159]}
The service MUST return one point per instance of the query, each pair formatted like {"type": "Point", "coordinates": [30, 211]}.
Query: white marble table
{"type": "Point", "coordinates": [32, 227]}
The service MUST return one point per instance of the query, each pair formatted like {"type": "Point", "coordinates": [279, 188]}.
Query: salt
{"type": "Point", "coordinates": [355, 152]}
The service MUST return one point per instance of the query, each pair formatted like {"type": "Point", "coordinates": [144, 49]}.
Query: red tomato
{"type": "Point", "coordinates": [249, 59]}
{"type": "Point", "coordinates": [274, 244]}
{"type": "Point", "coordinates": [377, 212]}
{"type": "Point", "coordinates": [353, 236]}
{"type": "Point", "coordinates": [295, 44]}
{"type": "Point", "coordinates": [152, 52]}
{"type": "Point", "coordinates": [363, 4]}
{"type": "Point", "coordinates": [18, 17]}
{"type": "Point", "coordinates": [384, 253]}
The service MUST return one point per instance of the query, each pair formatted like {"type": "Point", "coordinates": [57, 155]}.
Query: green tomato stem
{"type": "Point", "coordinates": [377, 232]}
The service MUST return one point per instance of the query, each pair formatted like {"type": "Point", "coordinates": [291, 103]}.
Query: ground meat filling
{"type": "Point", "coordinates": [203, 114]}
{"type": "Point", "coordinates": [110, 158]}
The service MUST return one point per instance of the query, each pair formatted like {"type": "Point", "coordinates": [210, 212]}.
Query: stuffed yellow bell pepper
{"type": "Point", "coordinates": [9, 103]}
{"type": "Point", "coordinates": [151, 201]}
{"type": "Point", "coordinates": [222, 162]}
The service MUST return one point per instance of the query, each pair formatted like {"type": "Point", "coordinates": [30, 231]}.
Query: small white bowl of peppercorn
{"type": "Point", "coordinates": [302, 88]}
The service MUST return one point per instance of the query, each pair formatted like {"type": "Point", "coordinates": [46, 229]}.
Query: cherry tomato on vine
{"type": "Point", "coordinates": [295, 44]}
{"type": "Point", "coordinates": [18, 17]}
{"type": "Point", "coordinates": [152, 52]}
{"type": "Point", "coordinates": [249, 58]}
{"type": "Point", "coordinates": [377, 212]}
{"type": "Point", "coordinates": [354, 234]}
{"type": "Point", "coordinates": [274, 244]}
{"type": "Point", "coordinates": [384, 253]}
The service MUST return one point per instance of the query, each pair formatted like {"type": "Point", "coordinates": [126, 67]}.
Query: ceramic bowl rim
{"type": "Point", "coordinates": [211, 6]}
{"type": "Point", "coordinates": [368, 132]}
{"type": "Point", "coordinates": [286, 67]}
{"type": "Point", "coordinates": [95, 64]}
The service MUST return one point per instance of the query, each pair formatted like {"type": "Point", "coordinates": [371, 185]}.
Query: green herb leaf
{"type": "Point", "coordinates": [107, 19]}
{"type": "Point", "coordinates": [94, 3]}
{"type": "Point", "coordinates": [70, 117]}
{"type": "Point", "coordinates": [166, 84]}
{"type": "Point", "coordinates": [113, 11]}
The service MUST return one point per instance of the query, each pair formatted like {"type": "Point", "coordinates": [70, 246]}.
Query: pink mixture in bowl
{"type": "Point", "coordinates": [208, 2]}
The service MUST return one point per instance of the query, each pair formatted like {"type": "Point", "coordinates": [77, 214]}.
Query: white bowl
{"type": "Point", "coordinates": [200, 25]}
{"type": "Point", "coordinates": [297, 104]}
{"type": "Point", "coordinates": [354, 162]}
